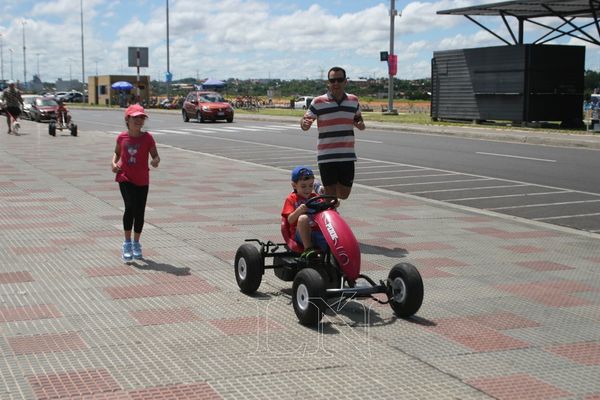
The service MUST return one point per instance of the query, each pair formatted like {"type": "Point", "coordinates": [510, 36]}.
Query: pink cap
{"type": "Point", "coordinates": [135, 110]}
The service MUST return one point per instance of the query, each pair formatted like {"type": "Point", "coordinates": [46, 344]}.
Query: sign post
{"type": "Point", "coordinates": [138, 57]}
{"type": "Point", "coordinates": [393, 13]}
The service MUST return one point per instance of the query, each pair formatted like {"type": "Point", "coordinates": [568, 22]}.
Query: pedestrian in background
{"type": "Point", "coordinates": [337, 113]}
{"type": "Point", "coordinates": [11, 97]}
{"type": "Point", "coordinates": [130, 163]}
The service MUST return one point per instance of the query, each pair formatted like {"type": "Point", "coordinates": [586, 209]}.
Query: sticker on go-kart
{"type": "Point", "coordinates": [341, 241]}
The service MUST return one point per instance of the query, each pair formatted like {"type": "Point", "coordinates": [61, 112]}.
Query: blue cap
{"type": "Point", "coordinates": [302, 172]}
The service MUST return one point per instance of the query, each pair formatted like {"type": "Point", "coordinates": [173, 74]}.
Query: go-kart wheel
{"type": "Point", "coordinates": [52, 129]}
{"type": "Point", "coordinates": [308, 296]}
{"type": "Point", "coordinates": [249, 268]}
{"type": "Point", "coordinates": [73, 130]}
{"type": "Point", "coordinates": [405, 289]}
{"type": "Point", "coordinates": [185, 116]}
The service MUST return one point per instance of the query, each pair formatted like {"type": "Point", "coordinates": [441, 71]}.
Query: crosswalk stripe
{"type": "Point", "coordinates": [269, 128]}
{"type": "Point", "coordinates": [170, 131]}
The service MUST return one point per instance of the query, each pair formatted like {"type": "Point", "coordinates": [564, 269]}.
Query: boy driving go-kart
{"type": "Point", "coordinates": [328, 274]}
{"type": "Point", "coordinates": [301, 224]}
{"type": "Point", "coordinates": [62, 121]}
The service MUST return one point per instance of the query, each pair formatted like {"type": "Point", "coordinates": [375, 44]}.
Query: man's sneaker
{"type": "Point", "coordinates": [137, 250]}
{"type": "Point", "coordinates": [126, 252]}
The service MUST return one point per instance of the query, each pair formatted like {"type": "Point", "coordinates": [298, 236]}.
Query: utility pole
{"type": "Point", "coordinates": [393, 13]}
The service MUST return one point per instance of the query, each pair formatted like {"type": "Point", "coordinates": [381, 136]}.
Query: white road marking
{"type": "Point", "coordinates": [368, 141]}
{"type": "Point", "coordinates": [567, 216]}
{"type": "Point", "coordinates": [401, 177]}
{"type": "Point", "coordinates": [511, 156]}
{"type": "Point", "coordinates": [508, 195]}
{"type": "Point", "coordinates": [429, 183]}
{"type": "Point", "coordinates": [469, 189]}
{"type": "Point", "coordinates": [544, 205]}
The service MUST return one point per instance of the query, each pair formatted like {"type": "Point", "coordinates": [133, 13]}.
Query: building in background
{"type": "Point", "coordinates": [100, 91]}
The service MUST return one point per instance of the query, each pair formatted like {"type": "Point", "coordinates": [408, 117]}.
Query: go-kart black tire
{"type": "Point", "coordinates": [73, 130]}
{"type": "Point", "coordinates": [308, 296]}
{"type": "Point", "coordinates": [52, 129]}
{"type": "Point", "coordinates": [185, 116]}
{"type": "Point", "coordinates": [249, 268]}
{"type": "Point", "coordinates": [406, 289]}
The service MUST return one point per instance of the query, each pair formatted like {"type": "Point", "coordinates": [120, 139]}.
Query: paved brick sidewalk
{"type": "Point", "coordinates": [511, 310]}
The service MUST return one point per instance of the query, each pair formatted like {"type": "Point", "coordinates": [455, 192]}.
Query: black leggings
{"type": "Point", "coordinates": [134, 198]}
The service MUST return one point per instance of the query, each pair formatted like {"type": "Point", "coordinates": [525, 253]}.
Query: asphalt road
{"type": "Point", "coordinates": [557, 185]}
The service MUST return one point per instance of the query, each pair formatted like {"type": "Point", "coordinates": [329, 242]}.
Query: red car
{"type": "Point", "coordinates": [206, 106]}
{"type": "Point", "coordinates": [43, 109]}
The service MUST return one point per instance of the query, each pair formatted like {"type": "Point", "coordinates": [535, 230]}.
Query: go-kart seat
{"type": "Point", "coordinates": [289, 240]}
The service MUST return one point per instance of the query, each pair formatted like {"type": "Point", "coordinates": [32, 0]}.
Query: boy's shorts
{"type": "Point", "coordinates": [341, 172]}
{"type": "Point", "coordinates": [317, 238]}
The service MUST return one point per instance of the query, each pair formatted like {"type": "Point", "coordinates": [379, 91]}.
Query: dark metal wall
{"type": "Point", "coordinates": [515, 83]}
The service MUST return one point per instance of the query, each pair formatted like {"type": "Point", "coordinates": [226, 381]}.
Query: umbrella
{"type": "Point", "coordinates": [212, 83]}
{"type": "Point", "coordinates": [122, 85]}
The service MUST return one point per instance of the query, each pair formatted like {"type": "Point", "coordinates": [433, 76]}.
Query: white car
{"type": "Point", "coordinates": [59, 95]}
{"type": "Point", "coordinates": [28, 100]}
{"type": "Point", "coordinates": [303, 102]}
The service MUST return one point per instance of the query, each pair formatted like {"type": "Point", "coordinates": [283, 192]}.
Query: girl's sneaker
{"type": "Point", "coordinates": [137, 250]}
{"type": "Point", "coordinates": [126, 252]}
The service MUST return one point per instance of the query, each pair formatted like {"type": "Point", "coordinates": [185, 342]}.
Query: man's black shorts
{"type": "Point", "coordinates": [337, 172]}
{"type": "Point", "coordinates": [14, 111]}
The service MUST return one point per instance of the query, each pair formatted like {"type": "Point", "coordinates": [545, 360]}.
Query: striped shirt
{"type": "Point", "coordinates": [335, 122]}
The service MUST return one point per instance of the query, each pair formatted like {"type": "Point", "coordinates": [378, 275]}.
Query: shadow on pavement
{"type": "Point", "coordinates": [396, 252]}
{"type": "Point", "coordinates": [161, 267]}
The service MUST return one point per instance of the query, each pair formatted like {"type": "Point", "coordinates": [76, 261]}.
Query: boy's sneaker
{"type": "Point", "coordinates": [137, 250]}
{"type": "Point", "coordinates": [310, 254]}
{"type": "Point", "coordinates": [126, 252]}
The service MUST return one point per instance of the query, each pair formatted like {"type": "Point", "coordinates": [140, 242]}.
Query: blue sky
{"type": "Point", "coordinates": [287, 39]}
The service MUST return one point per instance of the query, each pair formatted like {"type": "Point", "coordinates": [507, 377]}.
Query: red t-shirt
{"type": "Point", "coordinates": [134, 158]}
{"type": "Point", "coordinates": [293, 201]}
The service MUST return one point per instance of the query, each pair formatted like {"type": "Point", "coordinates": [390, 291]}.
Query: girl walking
{"type": "Point", "coordinates": [130, 164]}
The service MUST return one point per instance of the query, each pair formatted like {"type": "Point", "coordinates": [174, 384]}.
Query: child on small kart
{"type": "Point", "coordinates": [62, 114]}
{"type": "Point", "coordinates": [302, 227]}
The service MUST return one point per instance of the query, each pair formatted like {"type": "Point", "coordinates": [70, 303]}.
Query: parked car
{"type": "Point", "coordinates": [72, 97]}
{"type": "Point", "coordinates": [28, 100]}
{"type": "Point", "coordinates": [43, 109]}
{"type": "Point", "coordinates": [303, 102]}
{"type": "Point", "coordinates": [206, 106]}
{"type": "Point", "coordinates": [58, 95]}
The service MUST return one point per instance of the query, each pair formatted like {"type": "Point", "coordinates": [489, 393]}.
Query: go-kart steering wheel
{"type": "Point", "coordinates": [322, 203]}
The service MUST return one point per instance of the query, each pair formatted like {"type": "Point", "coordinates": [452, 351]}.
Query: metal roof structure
{"type": "Point", "coordinates": [567, 11]}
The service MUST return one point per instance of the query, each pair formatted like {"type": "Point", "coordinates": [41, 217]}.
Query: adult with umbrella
{"type": "Point", "coordinates": [122, 86]}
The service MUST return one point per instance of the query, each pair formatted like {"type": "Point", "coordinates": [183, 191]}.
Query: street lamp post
{"type": "Point", "coordinates": [37, 55]}
{"type": "Point", "coordinates": [1, 59]}
{"type": "Point", "coordinates": [24, 57]}
{"type": "Point", "coordinates": [82, 53]}
{"type": "Point", "coordinates": [70, 59]}
{"type": "Point", "coordinates": [168, 65]}
{"type": "Point", "coordinates": [12, 77]}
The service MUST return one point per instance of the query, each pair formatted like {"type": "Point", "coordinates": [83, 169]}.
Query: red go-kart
{"type": "Point", "coordinates": [62, 121]}
{"type": "Point", "coordinates": [333, 277]}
